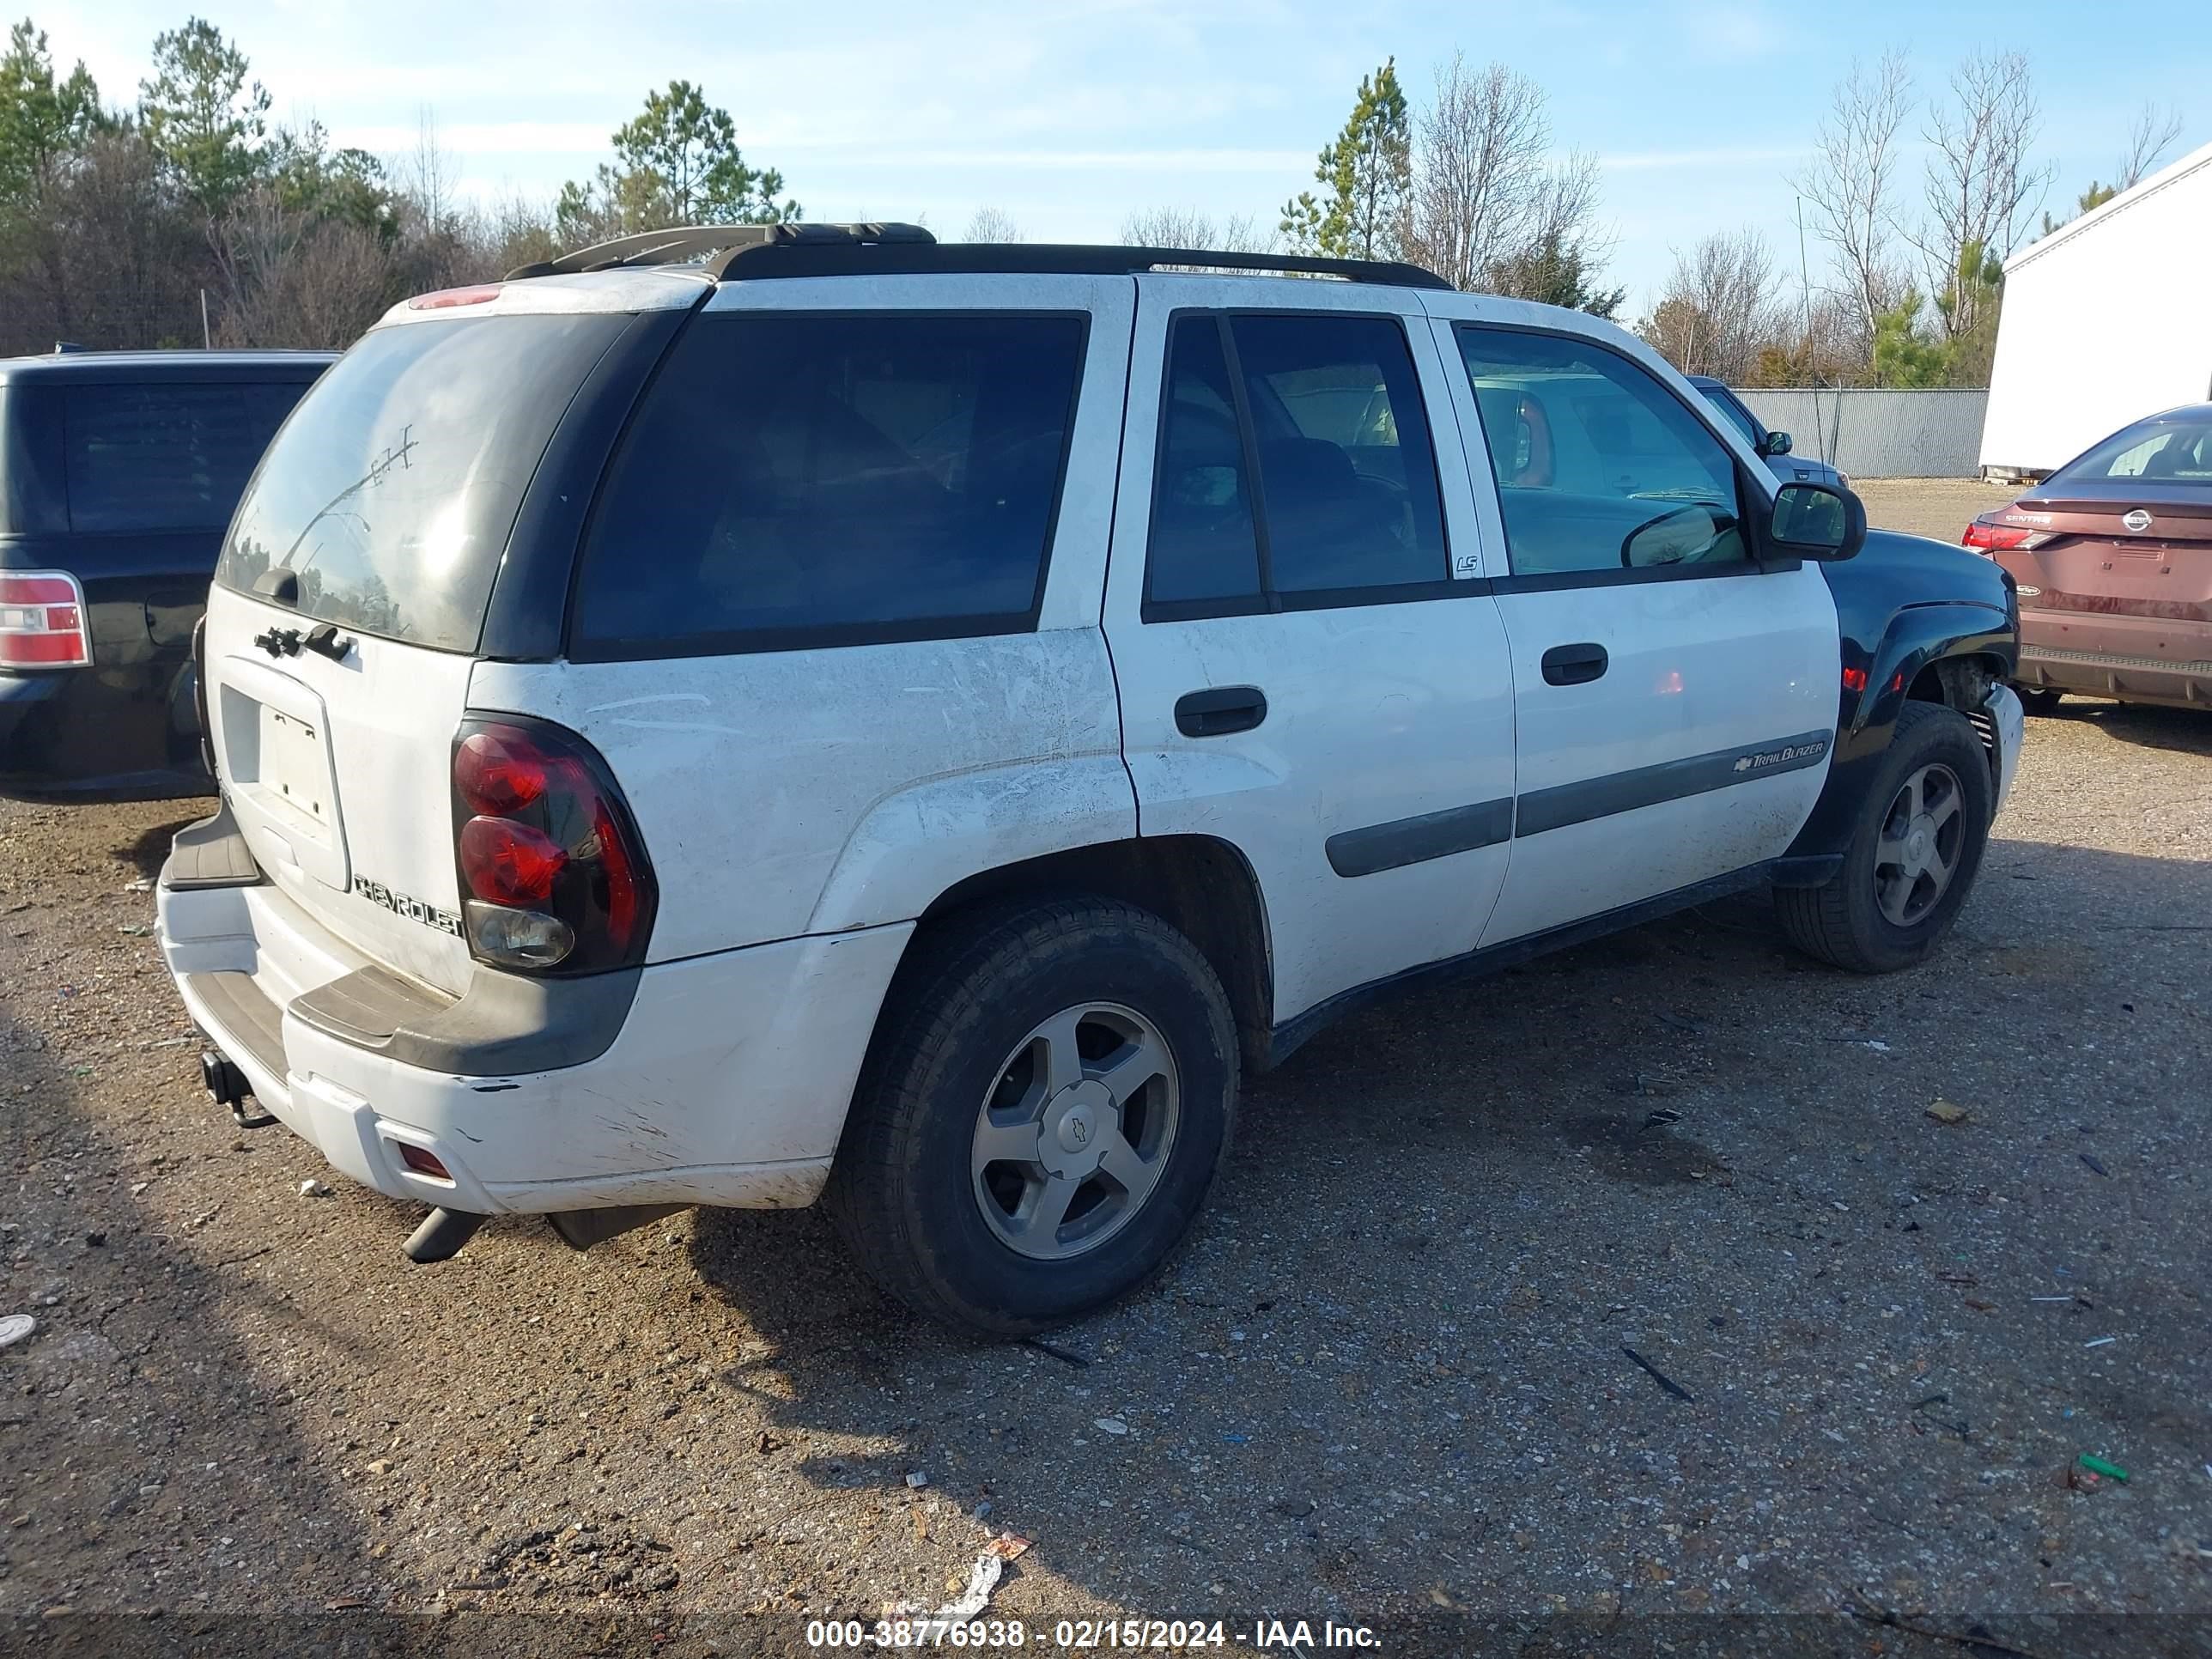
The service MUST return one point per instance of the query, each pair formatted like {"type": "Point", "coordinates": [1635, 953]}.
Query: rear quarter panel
{"type": "Point", "coordinates": [814, 791]}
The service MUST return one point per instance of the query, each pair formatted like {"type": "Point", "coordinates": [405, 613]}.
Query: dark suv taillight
{"type": "Point", "coordinates": [42, 621]}
{"type": "Point", "coordinates": [554, 878]}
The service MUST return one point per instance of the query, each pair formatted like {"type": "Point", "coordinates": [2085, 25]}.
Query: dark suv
{"type": "Point", "coordinates": [119, 471]}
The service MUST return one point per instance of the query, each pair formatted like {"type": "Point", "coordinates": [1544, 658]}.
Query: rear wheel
{"type": "Point", "coordinates": [2039, 699]}
{"type": "Point", "coordinates": [1914, 851]}
{"type": "Point", "coordinates": [1045, 1105]}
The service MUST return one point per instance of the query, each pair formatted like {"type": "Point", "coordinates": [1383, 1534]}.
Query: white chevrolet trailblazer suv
{"type": "Point", "coordinates": [741, 715]}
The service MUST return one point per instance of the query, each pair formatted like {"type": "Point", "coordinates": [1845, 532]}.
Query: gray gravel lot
{"type": "Point", "coordinates": [1387, 1382]}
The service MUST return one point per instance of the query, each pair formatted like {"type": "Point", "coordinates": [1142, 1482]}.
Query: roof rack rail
{"type": "Point", "coordinates": [680, 243]}
{"type": "Point", "coordinates": [854, 257]}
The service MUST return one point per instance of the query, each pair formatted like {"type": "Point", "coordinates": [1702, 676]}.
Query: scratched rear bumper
{"type": "Point", "coordinates": [726, 1083]}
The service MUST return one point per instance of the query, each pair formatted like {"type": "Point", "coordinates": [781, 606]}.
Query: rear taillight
{"type": "Point", "coordinates": [554, 878]}
{"type": "Point", "coordinates": [42, 621]}
{"type": "Point", "coordinates": [1987, 536]}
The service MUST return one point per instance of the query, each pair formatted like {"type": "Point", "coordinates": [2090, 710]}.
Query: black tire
{"type": "Point", "coordinates": [901, 1191]}
{"type": "Point", "coordinates": [2039, 699]}
{"type": "Point", "coordinates": [1842, 923]}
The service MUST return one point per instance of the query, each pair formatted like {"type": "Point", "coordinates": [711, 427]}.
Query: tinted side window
{"type": "Point", "coordinates": [1348, 474]}
{"type": "Point", "coordinates": [795, 479]}
{"type": "Point", "coordinates": [33, 501]}
{"type": "Point", "coordinates": [1599, 467]}
{"type": "Point", "coordinates": [165, 457]}
{"type": "Point", "coordinates": [1204, 545]}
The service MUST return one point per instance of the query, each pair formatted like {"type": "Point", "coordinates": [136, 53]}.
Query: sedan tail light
{"type": "Point", "coordinates": [554, 878]}
{"type": "Point", "coordinates": [1987, 536]}
{"type": "Point", "coordinates": [42, 621]}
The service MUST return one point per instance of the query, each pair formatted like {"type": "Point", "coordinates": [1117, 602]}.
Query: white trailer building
{"type": "Point", "coordinates": [2105, 320]}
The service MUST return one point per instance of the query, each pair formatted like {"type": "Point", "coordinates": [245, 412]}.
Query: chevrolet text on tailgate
{"type": "Point", "coordinates": [741, 715]}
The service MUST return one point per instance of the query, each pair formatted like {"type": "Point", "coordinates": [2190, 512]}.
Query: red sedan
{"type": "Point", "coordinates": [2113, 556]}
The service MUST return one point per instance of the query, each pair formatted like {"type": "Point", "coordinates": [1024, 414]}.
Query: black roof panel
{"type": "Point", "coordinates": [125, 368]}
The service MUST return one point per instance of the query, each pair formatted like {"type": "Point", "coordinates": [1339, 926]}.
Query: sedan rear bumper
{"type": "Point", "coordinates": [2133, 659]}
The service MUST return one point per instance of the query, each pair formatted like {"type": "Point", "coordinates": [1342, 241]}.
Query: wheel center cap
{"type": "Point", "coordinates": [1920, 841]}
{"type": "Point", "coordinates": [1074, 1125]}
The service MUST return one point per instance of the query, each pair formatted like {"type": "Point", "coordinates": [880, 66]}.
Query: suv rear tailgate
{"type": "Point", "coordinates": [336, 772]}
{"type": "Point", "coordinates": [352, 599]}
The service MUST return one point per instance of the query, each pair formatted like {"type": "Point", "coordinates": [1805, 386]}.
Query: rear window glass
{"type": "Point", "coordinates": [393, 492]}
{"type": "Point", "coordinates": [2178, 452]}
{"type": "Point", "coordinates": [797, 479]}
{"type": "Point", "coordinates": [157, 457]}
{"type": "Point", "coordinates": [32, 503]}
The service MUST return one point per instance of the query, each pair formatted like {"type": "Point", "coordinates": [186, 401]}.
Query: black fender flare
{"type": "Point", "coordinates": [1877, 683]}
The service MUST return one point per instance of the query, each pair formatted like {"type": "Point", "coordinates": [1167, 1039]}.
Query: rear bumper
{"type": "Point", "coordinates": [725, 1083]}
{"type": "Point", "coordinates": [99, 734]}
{"type": "Point", "coordinates": [2135, 658]}
{"type": "Point", "coordinates": [2009, 720]}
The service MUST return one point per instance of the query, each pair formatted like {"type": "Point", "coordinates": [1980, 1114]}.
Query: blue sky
{"type": "Point", "coordinates": [1068, 116]}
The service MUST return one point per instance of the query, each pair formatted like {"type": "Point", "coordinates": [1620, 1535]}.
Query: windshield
{"type": "Point", "coordinates": [2175, 451]}
{"type": "Point", "coordinates": [393, 490]}
{"type": "Point", "coordinates": [1738, 417]}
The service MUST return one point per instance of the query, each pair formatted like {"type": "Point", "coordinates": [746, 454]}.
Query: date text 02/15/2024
{"type": "Point", "coordinates": [1089, 1635]}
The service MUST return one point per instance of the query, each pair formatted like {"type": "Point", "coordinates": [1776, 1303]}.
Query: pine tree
{"type": "Point", "coordinates": [1367, 175]}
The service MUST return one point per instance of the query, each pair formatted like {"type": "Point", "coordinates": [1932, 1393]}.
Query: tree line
{"type": "Point", "coordinates": [187, 216]}
{"type": "Point", "coordinates": [1912, 282]}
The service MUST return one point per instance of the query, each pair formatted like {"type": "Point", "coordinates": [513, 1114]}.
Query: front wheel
{"type": "Point", "coordinates": [1915, 848]}
{"type": "Point", "coordinates": [2039, 699]}
{"type": "Point", "coordinates": [1043, 1108]}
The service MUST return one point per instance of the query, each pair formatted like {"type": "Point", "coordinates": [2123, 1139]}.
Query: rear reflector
{"type": "Point", "coordinates": [1999, 537]}
{"type": "Point", "coordinates": [421, 1161]}
{"type": "Point", "coordinates": [42, 621]}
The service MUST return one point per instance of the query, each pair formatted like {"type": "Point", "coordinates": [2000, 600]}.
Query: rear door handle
{"type": "Point", "coordinates": [1220, 711]}
{"type": "Point", "coordinates": [1574, 664]}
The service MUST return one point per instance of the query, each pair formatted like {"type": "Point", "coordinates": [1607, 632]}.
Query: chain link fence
{"type": "Point", "coordinates": [1880, 432]}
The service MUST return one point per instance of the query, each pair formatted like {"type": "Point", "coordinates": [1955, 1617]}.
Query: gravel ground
{"type": "Point", "coordinates": [1389, 1384]}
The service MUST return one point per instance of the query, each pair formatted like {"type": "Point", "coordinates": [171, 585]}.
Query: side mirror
{"type": "Point", "coordinates": [1778, 443]}
{"type": "Point", "coordinates": [1816, 521]}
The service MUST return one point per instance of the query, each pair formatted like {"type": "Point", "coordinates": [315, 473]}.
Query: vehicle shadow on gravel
{"type": "Point", "coordinates": [138, 1428]}
{"type": "Point", "coordinates": [1395, 1361]}
{"type": "Point", "coordinates": [2183, 731]}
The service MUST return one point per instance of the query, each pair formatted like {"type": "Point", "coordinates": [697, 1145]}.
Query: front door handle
{"type": "Point", "coordinates": [1220, 711]}
{"type": "Point", "coordinates": [1574, 664]}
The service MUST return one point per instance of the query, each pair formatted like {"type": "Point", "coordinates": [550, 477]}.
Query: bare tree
{"type": "Point", "coordinates": [1188, 227]}
{"type": "Point", "coordinates": [1851, 180]}
{"type": "Point", "coordinates": [1481, 170]}
{"type": "Point", "coordinates": [1983, 191]}
{"type": "Point", "coordinates": [2148, 139]}
{"type": "Point", "coordinates": [992, 224]}
{"type": "Point", "coordinates": [1722, 307]}
{"type": "Point", "coordinates": [426, 176]}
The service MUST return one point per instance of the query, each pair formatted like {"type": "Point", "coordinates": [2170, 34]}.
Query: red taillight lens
{"type": "Point", "coordinates": [509, 863]}
{"type": "Point", "coordinates": [1998, 537]}
{"type": "Point", "coordinates": [555, 876]}
{"type": "Point", "coordinates": [496, 774]}
{"type": "Point", "coordinates": [42, 623]}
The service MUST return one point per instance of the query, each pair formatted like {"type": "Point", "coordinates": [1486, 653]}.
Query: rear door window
{"type": "Point", "coordinates": [1346, 509]}
{"type": "Point", "coordinates": [160, 457]}
{"type": "Point", "coordinates": [392, 495]}
{"type": "Point", "coordinates": [796, 479]}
